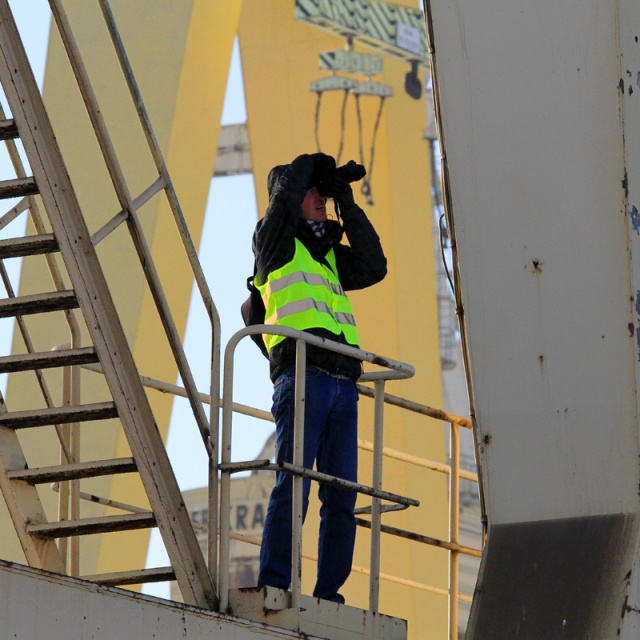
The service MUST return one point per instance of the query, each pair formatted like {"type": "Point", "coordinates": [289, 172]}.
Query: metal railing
{"type": "Point", "coordinates": [209, 430]}
{"type": "Point", "coordinates": [397, 370]}
{"type": "Point", "coordinates": [208, 427]}
{"type": "Point", "coordinates": [455, 472]}
{"type": "Point", "coordinates": [451, 545]}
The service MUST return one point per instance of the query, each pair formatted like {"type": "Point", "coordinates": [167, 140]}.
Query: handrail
{"type": "Point", "coordinates": [242, 537]}
{"type": "Point", "coordinates": [416, 407]}
{"type": "Point", "coordinates": [177, 390]}
{"type": "Point", "coordinates": [398, 370]}
{"type": "Point", "coordinates": [409, 405]}
{"type": "Point", "coordinates": [365, 445]}
{"type": "Point", "coordinates": [192, 256]}
{"type": "Point", "coordinates": [126, 202]}
{"type": "Point", "coordinates": [209, 428]}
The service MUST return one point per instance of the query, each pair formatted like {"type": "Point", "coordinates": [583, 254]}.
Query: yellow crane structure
{"type": "Point", "coordinates": [133, 289]}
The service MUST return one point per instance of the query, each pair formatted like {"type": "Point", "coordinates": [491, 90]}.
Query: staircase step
{"type": "Point", "coordinates": [28, 246]}
{"type": "Point", "coordinates": [74, 471]}
{"type": "Point", "coordinates": [8, 129]}
{"type": "Point", "coordinates": [58, 415]}
{"type": "Point", "coordinates": [18, 187]}
{"type": "Point", "coordinates": [38, 303]}
{"type": "Point", "coordinates": [142, 576]}
{"type": "Point", "coordinates": [88, 526]}
{"type": "Point", "coordinates": [47, 359]}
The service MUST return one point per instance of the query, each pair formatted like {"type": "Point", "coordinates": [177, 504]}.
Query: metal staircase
{"type": "Point", "coordinates": [71, 240]}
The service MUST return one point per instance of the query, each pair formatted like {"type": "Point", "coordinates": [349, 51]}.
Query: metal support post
{"type": "Point", "coordinates": [374, 578]}
{"type": "Point", "coordinates": [63, 496]}
{"type": "Point", "coordinates": [69, 499]}
{"type": "Point", "coordinates": [454, 522]}
{"type": "Point", "coordinates": [225, 481]}
{"type": "Point", "coordinates": [213, 450]}
{"type": "Point", "coordinates": [298, 460]}
{"type": "Point", "coordinates": [74, 485]}
{"type": "Point", "coordinates": [74, 504]}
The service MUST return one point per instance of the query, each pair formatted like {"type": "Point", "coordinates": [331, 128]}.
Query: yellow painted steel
{"type": "Point", "coordinates": [180, 53]}
{"type": "Point", "coordinates": [398, 317]}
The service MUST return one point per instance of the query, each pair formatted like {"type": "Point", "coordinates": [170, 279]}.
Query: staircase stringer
{"type": "Point", "coordinates": [24, 503]}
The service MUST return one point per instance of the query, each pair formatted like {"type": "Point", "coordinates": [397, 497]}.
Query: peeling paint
{"type": "Point", "coordinates": [381, 362]}
{"type": "Point", "coordinates": [635, 219]}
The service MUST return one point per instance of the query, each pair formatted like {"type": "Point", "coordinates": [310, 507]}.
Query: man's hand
{"type": "Point", "coordinates": [352, 171]}
{"type": "Point", "coordinates": [338, 189]}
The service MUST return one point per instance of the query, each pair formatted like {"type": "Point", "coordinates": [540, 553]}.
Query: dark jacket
{"type": "Point", "coordinates": [360, 264]}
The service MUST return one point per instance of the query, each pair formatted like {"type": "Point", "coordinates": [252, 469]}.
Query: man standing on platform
{"type": "Point", "coordinates": [303, 271]}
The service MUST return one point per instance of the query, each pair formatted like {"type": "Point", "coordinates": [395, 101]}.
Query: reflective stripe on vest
{"type": "Point", "coordinates": [309, 278]}
{"type": "Point", "coordinates": [306, 294]}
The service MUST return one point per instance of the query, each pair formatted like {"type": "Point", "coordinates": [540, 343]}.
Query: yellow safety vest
{"type": "Point", "coordinates": [306, 294]}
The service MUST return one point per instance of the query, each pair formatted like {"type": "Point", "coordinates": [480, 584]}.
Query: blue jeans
{"type": "Point", "coordinates": [330, 439]}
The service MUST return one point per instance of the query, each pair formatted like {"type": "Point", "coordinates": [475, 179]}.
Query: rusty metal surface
{"type": "Point", "coordinates": [315, 618]}
{"type": "Point", "coordinates": [416, 407]}
{"type": "Point", "coordinates": [418, 537]}
{"type": "Point", "coordinates": [18, 187]}
{"type": "Point", "coordinates": [538, 119]}
{"type": "Point", "coordinates": [579, 564]}
{"type": "Point", "coordinates": [537, 189]}
{"type": "Point", "coordinates": [73, 608]}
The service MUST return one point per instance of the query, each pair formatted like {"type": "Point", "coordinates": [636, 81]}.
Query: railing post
{"type": "Point", "coordinates": [74, 485]}
{"type": "Point", "coordinates": [63, 495]}
{"type": "Point", "coordinates": [69, 497]}
{"type": "Point", "coordinates": [454, 526]}
{"type": "Point", "coordinates": [213, 521]}
{"type": "Point", "coordinates": [298, 460]}
{"type": "Point", "coordinates": [225, 480]}
{"type": "Point", "coordinates": [378, 422]}
{"type": "Point", "coordinates": [400, 370]}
